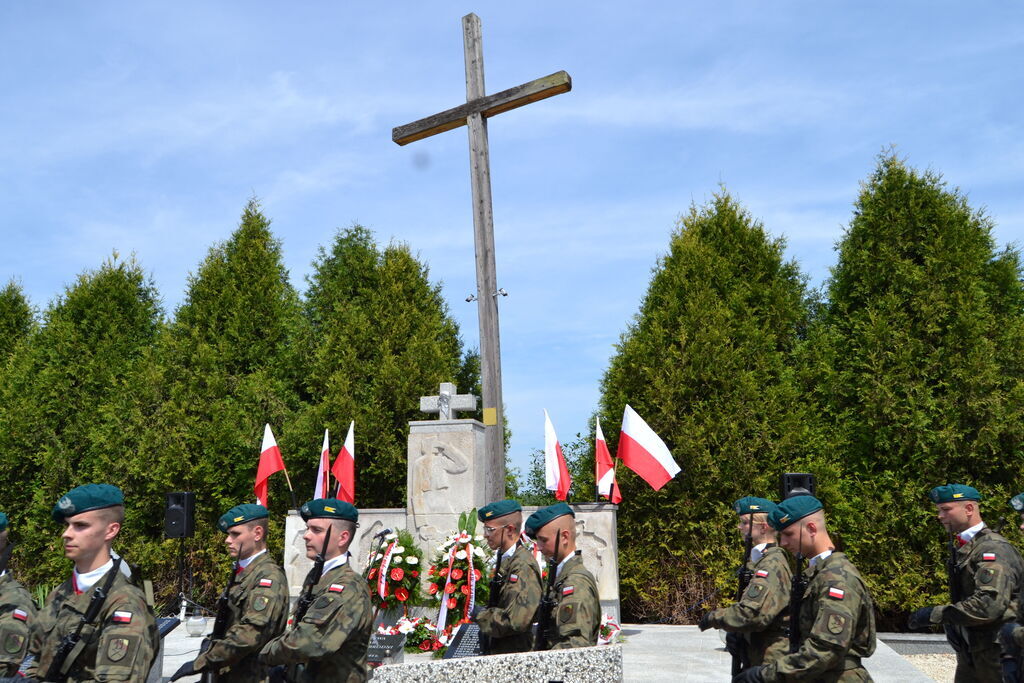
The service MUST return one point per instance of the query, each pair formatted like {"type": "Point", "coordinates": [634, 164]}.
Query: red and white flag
{"type": "Point", "coordinates": [344, 469]}
{"type": "Point", "coordinates": [270, 462]}
{"type": "Point", "coordinates": [323, 472]}
{"type": "Point", "coordinates": [606, 484]}
{"type": "Point", "coordinates": [556, 473]}
{"type": "Point", "coordinates": [643, 451]}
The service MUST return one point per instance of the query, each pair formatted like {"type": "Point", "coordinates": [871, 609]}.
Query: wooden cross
{"type": "Point", "coordinates": [474, 114]}
{"type": "Point", "coordinates": [447, 402]}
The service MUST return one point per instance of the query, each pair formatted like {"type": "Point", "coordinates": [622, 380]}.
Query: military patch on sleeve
{"type": "Point", "coordinates": [760, 573]}
{"type": "Point", "coordinates": [121, 617]}
{"type": "Point", "coordinates": [266, 583]}
{"type": "Point", "coordinates": [567, 591]}
{"type": "Point", "coordinates": [336, 588]}
{"type": "Point", "coordinates": [14, 643]}
{"type": "Point", "coordinates": [20, 614]}
{"type": "Point", "coordinates": [988, 557]}
{"type": "Point", "coordinates": [755, 591]}
{"type": "Point", "coordinates": [512, 578]}
{"type": "Point", "coordinates": [260, 602]}
{"type": "Point", "coordinates": [321, 603]}
{"type": "Point", "coordinates": [985, 575]}
{"type": "Point", "coordinates": [836, 593]}
{"type": "Point", "coordinates": [566, 614]}
{"type": "Point", "coordinates": [118, 648]}
{"type": "Point", "coordinates": [836, 623]}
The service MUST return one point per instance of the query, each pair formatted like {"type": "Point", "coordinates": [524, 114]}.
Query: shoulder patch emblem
{"type": "Point", "coordinates": [266, 583]}
{"type": "Point", "coordinates": [336, 588]}
{"type": "Point", "coordinates": [988, 557]}
{"type": "Point", "coordinates": [567, 591]}
{"type": "Point", "coordinates": [986, 575]}
{"type": "Point", "coordinates": [260, 602]}
{"type": "Point", "coordinates": [14, 643]}
{"type": "Point", "coordinates": [836, 623]}
{"type": "Point", "coordinates": [512, 578]}
{"type": "Point", "coordinates": [322, 602]}
{"type": "Point", "coordinates": [117, 649]}
{"type": "Point", "coordinates": [121, 617]}
{"type": "Point", "coordinates": [760, 573]}
{"type": "Point", "coordinates": [20, 614]}
{"type": "Point", "coordinates": [836, 593]}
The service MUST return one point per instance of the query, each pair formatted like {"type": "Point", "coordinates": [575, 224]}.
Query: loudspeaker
{"type": "Point", "coordinates": [180, 515]}
{"type": "Point", "coordinates": [798, 484]}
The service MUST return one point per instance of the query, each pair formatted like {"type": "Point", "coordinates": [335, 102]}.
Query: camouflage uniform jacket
{"type": "Point", "coordinates": [762, 613]}
{"type": "Point", "coordinates": [119, 646]}
{"type": "Point", "coordinates": [837, 627]}
{"type": "Point", "coordinates": [332, 638]}
{"type": "Point", "coordinates": [577, 614]}
{"type": "Point", "coordinates": [990, 573]}
{"type": "Point", "coordinates": [17, 614]}
{"type": "Point", "coordinates": [258, 612]}
{"type": "Point", "coordinates": [508, 624]}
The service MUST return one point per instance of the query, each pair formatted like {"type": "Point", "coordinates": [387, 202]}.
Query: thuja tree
{"type": "Point", "coordinates": [379, 336]}
{"type": "Point", "coordinates": [917, 374]}
{"type": "Point", "coordinates": [55, 398]}
{"type": "Point", "coordinates": [16, 319]}
{"type": "Point", "coordinates": [707, 363]}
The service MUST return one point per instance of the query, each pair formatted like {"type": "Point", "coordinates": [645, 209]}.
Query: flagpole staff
{"type": "Point", "coordinates": [295, 503]}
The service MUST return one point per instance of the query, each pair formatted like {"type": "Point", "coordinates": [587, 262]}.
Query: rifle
{"type": "Point", "coordinates": [220, 624]}
{"type": "Point", "coordinates": [741, 658]}
{"type": "Point", "coordinates": [493, 597]}
{"type": "Point", "coordinates": [796, 601]}
{"type": "Point", "coordinates": [312, 579]}
{"type": "Point", "coordinates": [547, 604]}
{"type": "Point", "coordinates": [957, 638]}
{"type": "Point", "coordinates": [72, 645]}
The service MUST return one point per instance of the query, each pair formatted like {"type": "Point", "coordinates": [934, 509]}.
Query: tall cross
{"type": "Point", "coordinates": [474, 114]}
{"type": "Point", "coordinates": [447, 401]}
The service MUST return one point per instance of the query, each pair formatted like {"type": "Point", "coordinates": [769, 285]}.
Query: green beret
{"type": "Point", "coordinates": [954, 493]}
{"type": "Point", "coordinates": [329, 508]}
{"type": "Point", "coordinates": [792, 510]}
{"type": "Point", "coordinates": [85, 498]}
{"type": "Point", "coordinates": [541, 518]}
{"type": "Point", "coordinates": [498, 509]}
{"type": "Point", "coordinates": [241, 514]}
{"type": "Point", "coordinates": [751, 505]}
{"type": "Point", "coordinates": [1017, 502]}
{"type": "Point", "coordinates": [3, 522]}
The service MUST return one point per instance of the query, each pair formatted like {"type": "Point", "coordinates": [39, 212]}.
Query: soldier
{"type": "Point", "coordinates": [122, 642]}
{"type": "Point", "coordinates": [257, 601]}
{"type": "Point", "coordinates": [577, 612]}
{"type": "Point", "coordinates": [1011, 635]}
{"type": "Point", "coordinates": [508, 624]}
{"type": "Point", "coordinates": [17, 611]}
{"type": "Point", "coordinates": [986, 574]}
{"type": "Point", "coordinates": [759, 618]}
{"type": "Point", "coordinates": [837, 621]}
{"type": "Point", "coordinates": [329, 642]}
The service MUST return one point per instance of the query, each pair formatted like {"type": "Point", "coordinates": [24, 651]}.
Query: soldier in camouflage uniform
{"type": "Point", "coordinates": [329, 644]}
{"type": "Point", "coordinates": [760, 617]}
{"type": "Point", "coordinates": [121, 644]}
{"type": "Point", "coordinates": [17, 612]}
{"type": "Point", "coordinates": [988, 575]}
{"type": "Point", "coordinates": [577, 613]}
{"type": "Point", "coordinates": [508, 624]}
{"type": "Point", "coordinates": [837, 622]}
{"type": "Point", "coordinates": [257, 601]}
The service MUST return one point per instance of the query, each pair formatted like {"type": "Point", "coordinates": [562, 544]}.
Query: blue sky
{"type": "Point", "coordinates": [144, 127]}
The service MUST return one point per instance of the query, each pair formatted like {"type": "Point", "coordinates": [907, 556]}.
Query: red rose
{"type": "Point", "coordinates": [476, 574]}
{"type": "Point", "coordinates": [425, 645]}
{"type": "Point", "coordinates": [432, 589]}
{"type": "Point", "coordinates": [465, 589]}
{"type": "Point", "coordinates": [457, 574]}
{"type": "Point", "coordinates": [397, 574]}
{"type": "Point", "coordinates": [373, 573]}
{"type": "Point", "coordinates": [415, 574]}
{"type": "Point", "coordinates": [437, 644]}
{"type": "Point", "coordinates": [450, 588]}
{"type": "Point", "coordinates": [401, 594]}
{"type": "Point", "coordinates": [452, 603]}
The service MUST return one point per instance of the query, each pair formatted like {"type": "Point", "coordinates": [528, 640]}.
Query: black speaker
{"type": "Point", "coordinates": [180, 515]}
{"type": "Point", "coordinates": [798, 484]}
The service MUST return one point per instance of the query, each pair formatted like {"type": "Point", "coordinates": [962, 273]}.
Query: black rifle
{"type": "Point", "coordinates": [312, 579]}
{"type": "Point", "coordinates": [71, 645]}
{"type": "Point", "coordinates": [220, 624]}
{"type": "Point", "coordinates": [957, 638]}
{"type": "Point", "coordinates": [796, 601]}
{"type": "Point", "coordinates": [493, 597]}
{"type": "Point", "coordinates": [547, 604]}
{"type": "Point", "coordinates": [741, 658]}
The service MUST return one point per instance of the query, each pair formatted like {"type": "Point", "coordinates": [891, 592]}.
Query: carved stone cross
{"type": "Point", "coordinates": [447, 402]}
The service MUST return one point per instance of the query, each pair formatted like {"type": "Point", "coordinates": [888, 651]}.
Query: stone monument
{"type": "Point", "coordinates": [447, 475]}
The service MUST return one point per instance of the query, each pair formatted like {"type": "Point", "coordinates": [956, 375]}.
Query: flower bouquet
{"type": "Point", "coordinates": [455, 580]}
{"type": "Point", "coordinates": [420, 634]}
{"type": "Point", "coordinates": [609, 631]}
{"type": "Point", "coordinates": [394, 575]}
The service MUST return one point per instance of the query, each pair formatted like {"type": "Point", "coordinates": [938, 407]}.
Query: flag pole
{"type": "Point", "coordinates": [295, 503]}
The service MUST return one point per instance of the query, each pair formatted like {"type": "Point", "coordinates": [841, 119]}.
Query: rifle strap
{"type": "Point", "coordinates": [69, 661]}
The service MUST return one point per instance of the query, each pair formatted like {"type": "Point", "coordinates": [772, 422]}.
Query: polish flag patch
{"type": "Point", "coordinates": [121, 617]}
{"type": "Point", "coordinates": [336, 588]}
{"type": "Point", "coordinates": [837, 593]}
{"type": "Point", "coordinates": [988, 557]}
{"type": "Point", "coordinates": [20, 615]}
{"type": "Point", "coordinates": [567, 591]}
{"type": "Point", "coordinates": [760, 573]}
{"type": "Point", "coordinates": [512, 578]}
{"type": "Point", "coordinates": [266, 583]}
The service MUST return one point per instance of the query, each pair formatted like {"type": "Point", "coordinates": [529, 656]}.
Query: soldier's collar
{"type": "Point", "coordinates": [335, 562]}
{"type": "Point", "coordinates": [242, 564]}
{"type": "Point", "coordinates": [819, 557]}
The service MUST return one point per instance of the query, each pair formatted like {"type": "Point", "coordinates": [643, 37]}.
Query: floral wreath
{"type": "Point", "coordinates": [394, 576]}
{"type": "Point", "coordinates": [454, 579]}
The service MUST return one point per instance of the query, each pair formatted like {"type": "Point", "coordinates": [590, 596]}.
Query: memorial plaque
{"type": "Point", "coordinates": [466, 643]}
{"type": "Point", "coordinates": [383, 647]}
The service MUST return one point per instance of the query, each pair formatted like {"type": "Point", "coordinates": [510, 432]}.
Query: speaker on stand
{"type": "Point", "coordinates": [180, 523]}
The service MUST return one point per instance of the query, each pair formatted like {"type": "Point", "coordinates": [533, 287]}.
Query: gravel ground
{"type": "Point", "coordinates": [939, 667]}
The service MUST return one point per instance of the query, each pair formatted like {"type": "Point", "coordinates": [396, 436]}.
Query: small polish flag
{"type": "Point", "coordinates": [121, 617]}
{"type": "Point", "coordinates": [567, 590]}
{"type": "Point", "coordinates": [266, 583]}
{"type": "Point", "coordinates": [512, 578]}
{"type": "Point", "coordinates": [643, 451]}
{"type": "Point", "coordinates": [20, 614]}
{"type": "Point", "coordinates": [344, 469]}
{"type": "Point", "coordinates": [837, 593]}
{"type": "Point", "coordinates": [270, 462]}
{"type": "Point", "coordinates": [761, 573]}
{"type": "Point", "coordinates": [323, 472]}
{"type": "Point", "coordinates": [988, 557]}
{"type": "Point", "coordinates": [336, 588]}
{"type": "Point", "coordinates": [556, 472]}
{"type": "Point", "coordinates": [606, 484]}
